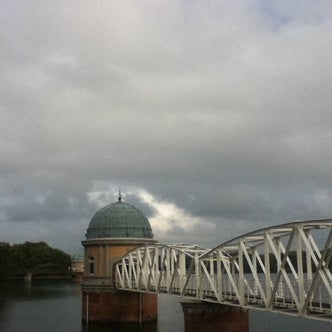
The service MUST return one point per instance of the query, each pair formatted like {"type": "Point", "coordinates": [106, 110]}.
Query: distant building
{"type": "Point", "coordinates": [77, 264]}
{"type": "Point", "coordinates": [113, 231]}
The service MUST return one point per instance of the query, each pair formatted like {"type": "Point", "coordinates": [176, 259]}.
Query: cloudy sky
{"type": "Point", "coordinates": [214, 117]}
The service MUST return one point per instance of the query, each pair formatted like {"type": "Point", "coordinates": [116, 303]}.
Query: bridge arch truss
{"type": "Point", "coordinates": [282, 268]}
{"type": "Point", "coordinates": [160, 268]}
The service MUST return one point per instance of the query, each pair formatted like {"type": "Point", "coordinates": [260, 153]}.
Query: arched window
{"type": "Point", "coordinates": [91, 265]}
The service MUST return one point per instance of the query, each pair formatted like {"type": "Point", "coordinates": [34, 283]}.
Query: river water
{"type": "Point", "coordinates": [56, 306]}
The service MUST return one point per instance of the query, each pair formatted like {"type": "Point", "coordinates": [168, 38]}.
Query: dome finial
{"type": "Point", "coordinates": [119, 197]}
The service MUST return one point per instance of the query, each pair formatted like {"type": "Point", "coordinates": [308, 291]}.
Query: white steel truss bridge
{"type": "Point", "coordinates": [285, 268]}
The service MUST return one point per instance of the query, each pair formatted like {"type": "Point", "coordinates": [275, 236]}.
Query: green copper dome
{"type": "Point", "coordinates": [119, 220]}
{"type": "Point", "coordinates": [78, 255]}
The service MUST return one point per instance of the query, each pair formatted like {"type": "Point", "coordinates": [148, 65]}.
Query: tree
{"type": "Point", "coordinates": [21, 259]}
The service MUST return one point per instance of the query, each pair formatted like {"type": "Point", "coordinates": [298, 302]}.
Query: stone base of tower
{"type": "Point", "coordinates": [113, 306]}
{"type": "Point", "coordinates": [205, 317]}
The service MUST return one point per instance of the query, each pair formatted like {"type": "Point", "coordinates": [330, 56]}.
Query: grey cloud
{"type": "Point", "coordinates": [223, 110]}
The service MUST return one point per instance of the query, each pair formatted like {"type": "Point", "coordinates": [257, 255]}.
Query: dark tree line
{"type": "Point", "coordinates": [35, 258]}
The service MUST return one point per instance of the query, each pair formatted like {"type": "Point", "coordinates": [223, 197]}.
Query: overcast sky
{"type": "Point", "coordinates": [214, 117]}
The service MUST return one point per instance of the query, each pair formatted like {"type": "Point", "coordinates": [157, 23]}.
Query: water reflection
{"type": "Point", "coordinates": [36, 290]}
{"type": "Point", "coordinates": [56, 307]}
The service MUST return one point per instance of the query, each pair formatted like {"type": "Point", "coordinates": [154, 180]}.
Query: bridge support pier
{"type": "Point", "coordinates": [202, 316]}
{"type": "Point", "coordinates": [111, 306]}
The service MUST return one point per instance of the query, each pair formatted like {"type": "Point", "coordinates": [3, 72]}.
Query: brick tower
{"type": "Point", "coordinates": [113, 231]}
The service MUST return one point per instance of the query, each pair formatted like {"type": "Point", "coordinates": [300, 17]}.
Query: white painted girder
{"type": "Point", "coordinates": [238, 272]}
